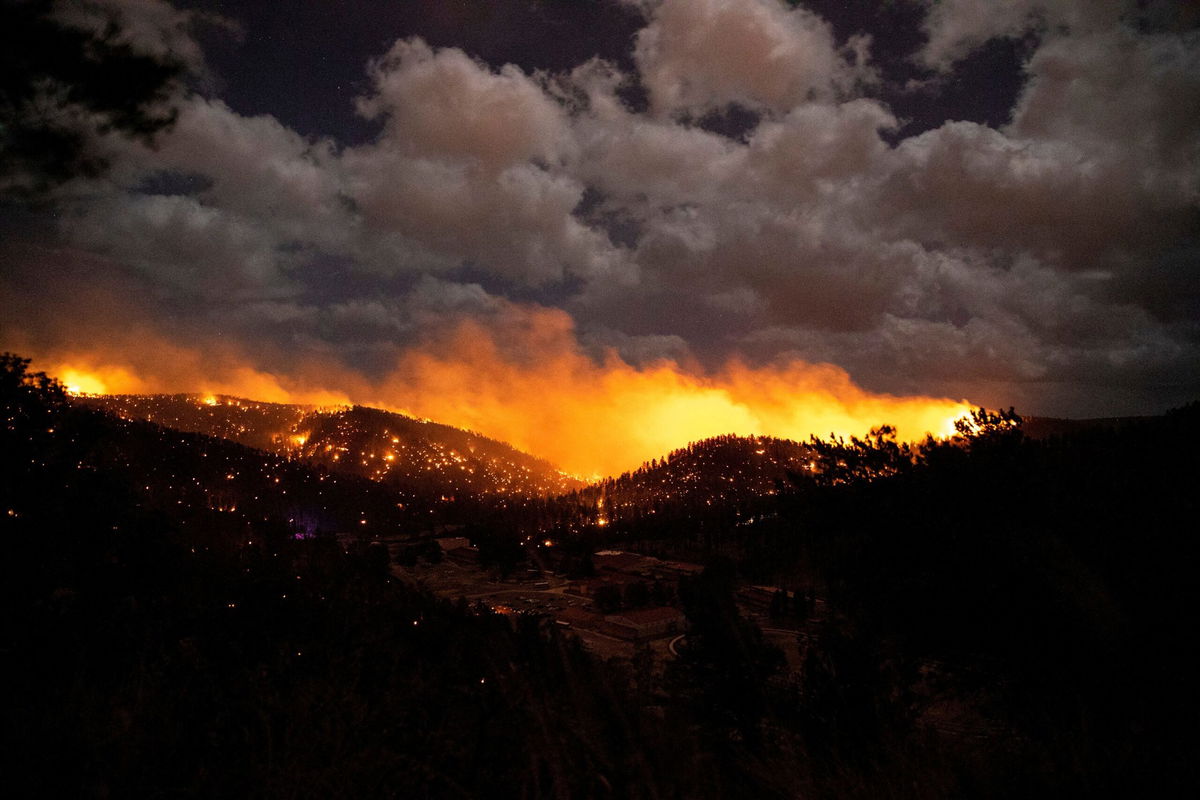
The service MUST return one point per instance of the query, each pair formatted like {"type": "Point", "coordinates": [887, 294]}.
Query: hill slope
{"type": "Point", "coordinates": [723, 481]}
{"type": "Point", "coordinates": [415, 456]}
{"type": "Point", "coordinates": [723, 469]}
{"type": "Point", "coordinates": [235, 487]}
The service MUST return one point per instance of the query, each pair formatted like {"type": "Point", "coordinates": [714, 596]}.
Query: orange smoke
{"type": "Point", "coordinates": [140, 361]}
{"type": "Point", "coordinates": [87, 374]}
{"type": "Point", "coordinates": [538, 390]}
{"type": "Point", "coordinates": [601, 419]}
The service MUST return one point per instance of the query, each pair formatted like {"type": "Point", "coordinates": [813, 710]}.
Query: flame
{"type": "Point", "coordinates": [77, 378]}
{"type": "Point", "coordinates": [556, 401]}
{"type": "Point", "coordinates": [531, 384]}
{"type": "Point", "coordinates": [144, 362]}
{"type": "Point", "coordinates": [76, 382]}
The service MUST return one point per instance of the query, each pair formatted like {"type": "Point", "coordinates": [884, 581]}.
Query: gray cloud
{"type": "Point", "coordinates": [152, 27]}
{"type": "Point", "coordinates": [956, 27]}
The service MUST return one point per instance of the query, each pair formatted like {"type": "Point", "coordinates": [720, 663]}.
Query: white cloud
{"type": "Point", "coordinates": [698, 55]}
{"type": "Point", "coordinates": [815, 142]}
{"type": "Point", "coordinates": [630, 156]}
{"type": "Point", "coordinates": [469, 166]}
{"type": "Point", "coordinates": [441, 103]}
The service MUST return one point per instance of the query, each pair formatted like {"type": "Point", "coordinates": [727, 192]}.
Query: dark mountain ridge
{"type": "Point", "coordinates": [716, 483]}
{"type": "Point", "coordinates": [723, 471]}
{"type": "Point", "coordinates": [188, 474]}
{"type": "Point", "coordinates": [1045, 427]}
{"type": "Point", "coordinates": [411, 455]}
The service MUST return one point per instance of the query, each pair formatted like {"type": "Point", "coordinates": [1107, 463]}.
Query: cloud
{"type": "Point", "coordinates": [636, 159]}
{"type": "Point", "coordinates": [182, 245]}
{"type": "Point", "coordinates": [700, 55]}
{"type": "Point", "coordinates": [468, 166]}
{"type": "Point", "coordinates": [151, 27]}
{"type": "Point", "coordinates": [818, 143]}
{"type": "Point", "coordinates": [1120, 95]}
{"type": "Point", "coordinates": [442, 103]}
{"type": "Point", "coordinates": [956, 27]}
{"type": "Point", "coordinates": [395, 205]}
{"type": "Point", "coordinates": [968, 185]}
{"type": "Point", "coordinates": [517, 224]}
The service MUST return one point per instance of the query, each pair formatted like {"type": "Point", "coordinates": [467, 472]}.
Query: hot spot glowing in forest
{"type": "Point", "coordinates": [590, 417]}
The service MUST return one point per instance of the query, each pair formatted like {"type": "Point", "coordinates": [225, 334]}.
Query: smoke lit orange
{"type": "Point", "coordinates": [547, 396]}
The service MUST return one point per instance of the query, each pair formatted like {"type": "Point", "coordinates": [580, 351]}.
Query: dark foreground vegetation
{"type": "Point", "coordinates": [1006, 618]}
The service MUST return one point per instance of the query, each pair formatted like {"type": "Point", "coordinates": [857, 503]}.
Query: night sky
{"type": "Point", "coordinates": [969, 200]}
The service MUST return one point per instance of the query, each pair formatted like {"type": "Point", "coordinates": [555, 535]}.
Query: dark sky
{"type": "Point", "coordinates": [965, 199]}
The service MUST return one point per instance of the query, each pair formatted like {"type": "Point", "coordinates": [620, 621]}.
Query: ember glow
{"type": "Point", "coordinates": [602, 418]}
{"type": "Point", "coordinates": [590, 416]}
{"type": "Point", "coordinates": [76, 382]}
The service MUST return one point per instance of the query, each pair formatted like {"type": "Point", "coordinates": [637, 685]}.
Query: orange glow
{"type": "Point", "coordinates": [143, 362]}
{"type": "Point", "coordinates": [555, 401]}
{"type": "Point", "coordinates": [77, 380]}
{"type": "Point", "coordinates": [78, 383]}
{"type": "Point", "coordinates": [532, 384]}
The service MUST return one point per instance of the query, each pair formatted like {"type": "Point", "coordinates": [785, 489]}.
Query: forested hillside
{"type": "Point", "coordinates": [418, 457]}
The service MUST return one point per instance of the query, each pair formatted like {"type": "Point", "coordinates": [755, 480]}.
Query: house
{"type": "Point", "coordinates": [674, 570]}
{"type": "Point", "coordinates": [459, 550]}
{"type": "Point", "coordinates": [644, 624]}
{"type": "Point", "coordinates": [622, 562]}
{"type": "Point", "coordinates": [578, 618]}
{"type": "Point", "coordinates": [586, 587]}
{"type": "Point", "coordinates": [759, 599]}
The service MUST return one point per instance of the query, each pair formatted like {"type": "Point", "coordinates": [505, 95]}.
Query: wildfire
{"type": "Point", "coordinates": [537, 388]}
{"type": "Point", "coordinates": [588, 417]}
{"type": "Point", "coordinates": [78, 380]}
{"type": "Point", "coordinates": [77, 383]}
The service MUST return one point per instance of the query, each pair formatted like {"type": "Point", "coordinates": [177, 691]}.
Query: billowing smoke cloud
{"type": "Point", "coordinates": [515, 373]}
{"type": "Point", "coordinates": [514, 249]}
